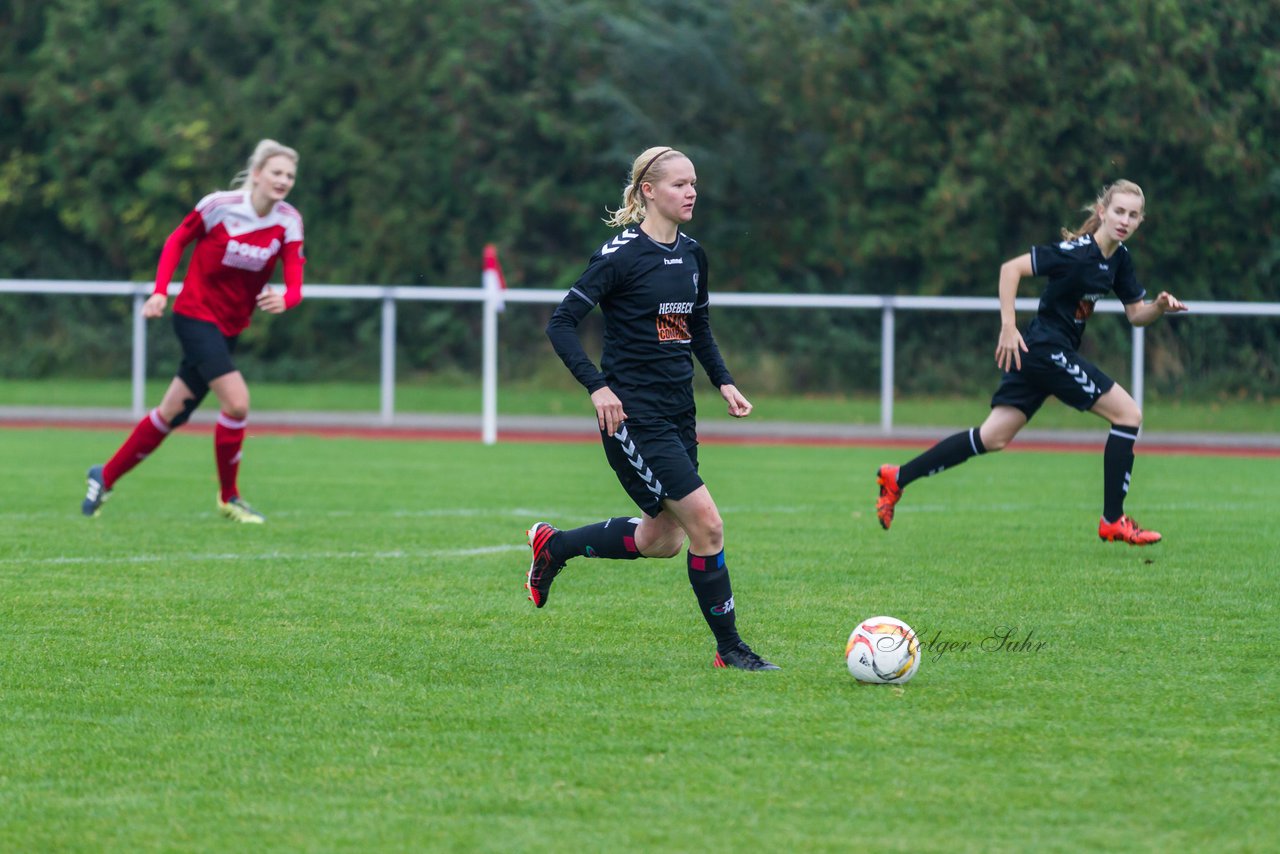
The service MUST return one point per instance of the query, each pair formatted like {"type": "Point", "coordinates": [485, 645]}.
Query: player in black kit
{"type": "Point", "coordinates": [1086, 265]}
{"type": "Point", "coordinates": [650, 282]}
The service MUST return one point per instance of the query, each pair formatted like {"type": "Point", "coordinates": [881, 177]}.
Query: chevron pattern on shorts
{"type": "Point", "coordinates": [1075, 372]}
{"type": "Point", "coordinates": [637, 462]}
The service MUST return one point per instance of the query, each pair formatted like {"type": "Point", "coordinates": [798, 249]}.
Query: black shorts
{"type": "Point", "coordinates": [206, 353]}
{"type": "Point", "coordinates": [1048, 370]}
{"type": "Point", "coordinates": [655, 458]}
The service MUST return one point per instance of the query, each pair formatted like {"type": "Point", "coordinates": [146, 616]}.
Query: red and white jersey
{"type": "Point", "coordinates": [235, 254]}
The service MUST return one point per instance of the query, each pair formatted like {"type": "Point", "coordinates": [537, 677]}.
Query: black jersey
{"type": "Point", "coordinates": [655, 303]}
{"type": "Point", "coordinates": [1078, 277]}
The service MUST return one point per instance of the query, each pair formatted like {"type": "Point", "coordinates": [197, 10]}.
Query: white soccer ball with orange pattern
{"type": "Point", "coordinates": [883, 649]}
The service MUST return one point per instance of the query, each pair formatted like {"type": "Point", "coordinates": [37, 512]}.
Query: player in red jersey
{"type": "Point", "coordinates": [238, 236]}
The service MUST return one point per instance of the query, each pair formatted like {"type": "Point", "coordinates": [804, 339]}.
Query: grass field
{"type": "Point", "coordinates": [364, 672]}
{"type": "Point", "coordinates": [1219, 416]}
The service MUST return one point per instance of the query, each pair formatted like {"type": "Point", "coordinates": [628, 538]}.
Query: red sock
{"type": "Point", "coordinates": [228, 436]}
{"type": "Point", "coordinates": [144, 439]}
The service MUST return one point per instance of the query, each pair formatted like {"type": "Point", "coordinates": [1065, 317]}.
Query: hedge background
{"type": "Point", "coordinates": [842, 147]}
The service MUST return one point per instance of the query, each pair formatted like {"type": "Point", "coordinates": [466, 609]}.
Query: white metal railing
{"type": "Point", "coordinates": [390, 295]}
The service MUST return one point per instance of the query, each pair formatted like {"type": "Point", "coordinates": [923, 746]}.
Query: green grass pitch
{"type": "Point", "coordinates": [365, 673]}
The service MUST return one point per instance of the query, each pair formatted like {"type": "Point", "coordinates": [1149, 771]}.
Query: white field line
{"type": "Point", "coordinates": [425, 513]}
{"type": "Point", "coordinates": [558, 517]}
{"type": "Point", "coordinates": [396, 554]}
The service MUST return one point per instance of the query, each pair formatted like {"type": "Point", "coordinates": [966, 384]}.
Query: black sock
{"type": "Point", "coordinates": [710, 579]}
{"type": "Point", "coordinates": [613, 538]}
{"type": "Point", "coordinates": [950, 452]}
{"type": "Point", "coordinates": [1117, 464]}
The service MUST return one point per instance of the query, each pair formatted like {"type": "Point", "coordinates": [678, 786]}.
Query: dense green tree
{"type": "Point", "coordinates": [842, 146]}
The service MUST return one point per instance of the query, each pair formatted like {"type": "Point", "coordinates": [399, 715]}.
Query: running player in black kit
{"type": "Point", "coordinates": [650, 282]}
{"type": "Point", "coordinates": [1086, 265]}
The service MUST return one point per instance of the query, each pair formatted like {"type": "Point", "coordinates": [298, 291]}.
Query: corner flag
{"type": "Point", "coordinates": [493, 280]}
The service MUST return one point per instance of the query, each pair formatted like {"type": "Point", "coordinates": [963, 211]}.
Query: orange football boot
{"type": "Point", "coordinates": [1125, 530]}
{"type": "Point", "coordinates": [890, 494]}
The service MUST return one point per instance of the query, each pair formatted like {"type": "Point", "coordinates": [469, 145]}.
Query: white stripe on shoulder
{"type": "Point", "coordinates": [291, 218]}
{"type": "Point", "coordinates": [289, 210]}
{"type": "Point", "coordinates": [220, 198]}
{"type": "Point", "coordinates": [620, 241]}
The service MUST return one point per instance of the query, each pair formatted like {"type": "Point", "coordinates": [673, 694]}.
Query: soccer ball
{"type": "Point", "coordinates": [882, 649]}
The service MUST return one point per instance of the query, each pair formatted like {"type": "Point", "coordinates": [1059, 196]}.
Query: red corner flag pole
{"type": "Point", "coordinates": [493, 284]}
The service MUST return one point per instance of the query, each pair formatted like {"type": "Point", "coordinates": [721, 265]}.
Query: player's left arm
{"type": "Point", "coordinates": [704, 347]}
{"type": "Point", "coordinates": [739, 406]}
{"type": "Point", "coordinates": [703, 344]}
{"type": "Point", "coordinates": [1142, 313]}
{"type": "Point", "coordinates": [1132, 294]}
{"type": "Point", "coordinates": [274, 302]}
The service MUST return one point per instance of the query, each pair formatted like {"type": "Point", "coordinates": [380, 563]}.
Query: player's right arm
{"type": "Point", "coordinates": [191, 229]}
{"type": "Point", "coordinates": [1010, 347]}
{"type": "Point", "coordinates": [562, 330]}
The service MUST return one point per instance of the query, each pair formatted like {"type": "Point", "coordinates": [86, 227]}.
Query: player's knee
{"type": "Point", "coordinates": [669, 546]}
{"type": "Point", "coordinates": [1128, 416]}
{"type": "Point", "coordinates": [997, 442]}
{"type": "Point", "coordinates": [666, 544]}
{"type": "Point", "coordinates": [711, 529]}
{"type": "Point", "coordinates": [236, 410]}
{"type": "Point", "coordinates": [184, 415]}
{"type": "Point", "coordinates": [994, 439]}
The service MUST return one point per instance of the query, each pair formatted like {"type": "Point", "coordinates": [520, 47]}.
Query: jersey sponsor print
{"type": "Point", "coordinates": [673, 321]}
{"type": "Point", "coordinates": [246, 256]}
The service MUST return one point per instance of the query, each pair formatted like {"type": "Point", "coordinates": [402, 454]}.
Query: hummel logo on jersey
{"type": "Point", "coordinates": [246, 256]}
{"type": "Point", "coordinates": [1102, 266]}
{"type": "Point", "coordinates": [670, 261]}
{"type": "Point", "coordinates": [620, 241]}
